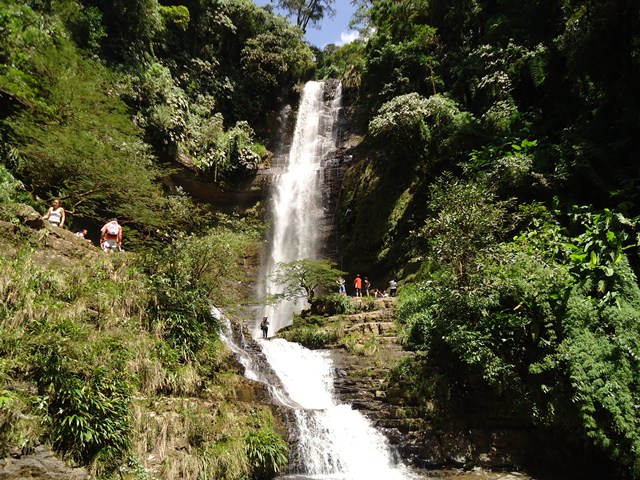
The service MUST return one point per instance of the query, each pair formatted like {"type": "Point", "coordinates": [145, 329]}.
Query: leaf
{"type": "Point", "coordinates": [578, 257]}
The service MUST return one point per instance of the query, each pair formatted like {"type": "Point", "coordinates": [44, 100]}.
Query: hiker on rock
{"type": "Point", "coordinates": [357, 283]}
{"type": "Point", "coordinates": [83, 234]}
{"type": "Point", "coordinates": [264, 326]}
{"type": "Point", "coordinates": [111, 236]}
{"type": "Point", "coordinates": [393, 288]}
{"type": "Point", "coordinates": [55, 214]}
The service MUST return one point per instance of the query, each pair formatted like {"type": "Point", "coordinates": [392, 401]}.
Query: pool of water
{"type": "Point", "coordinates": [476, 474]}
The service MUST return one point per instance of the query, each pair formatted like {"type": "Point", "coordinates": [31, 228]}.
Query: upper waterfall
{"type": "Point", "coordinates": [296, 200]}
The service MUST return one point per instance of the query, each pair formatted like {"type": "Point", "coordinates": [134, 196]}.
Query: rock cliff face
{"type": "Point", "coordinates": [470, 432]}
{"type": "Point", "coordinates": [42, 463]}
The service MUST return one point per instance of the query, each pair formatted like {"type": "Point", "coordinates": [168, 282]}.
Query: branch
{"type": "Point", "coordinates": [80, 197]}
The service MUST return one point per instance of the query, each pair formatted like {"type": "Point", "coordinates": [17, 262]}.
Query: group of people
{"type": "Point", "coordinates": [110, 233]}
{"type": "Point", "coordinates": [359, 284]}
{"type": "Point", "coordinates": [362, 287]}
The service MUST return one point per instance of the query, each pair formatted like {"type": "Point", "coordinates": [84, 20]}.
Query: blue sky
{"type": "Point", "coordinates": [332, 30]}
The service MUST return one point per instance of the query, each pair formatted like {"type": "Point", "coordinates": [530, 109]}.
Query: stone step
{"type": "Point", "coordinates": [378, 328]}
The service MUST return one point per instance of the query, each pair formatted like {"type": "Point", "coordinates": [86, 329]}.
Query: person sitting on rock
{"type": "Point", "coordinates": [83, 234]}
{"type": "Point", "coordinates": [55, 214]}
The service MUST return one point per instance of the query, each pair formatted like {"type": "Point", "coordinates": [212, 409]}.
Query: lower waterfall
{"type": "Point", "coordinates": [334, 441]}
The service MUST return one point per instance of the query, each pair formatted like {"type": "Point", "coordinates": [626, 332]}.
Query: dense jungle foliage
{"type": "Point", "coordinates": [501, 185]}
{"type": "Point", "coordinates": [116, 362]}
{"type": "Point", "coordinates": [497, 180]}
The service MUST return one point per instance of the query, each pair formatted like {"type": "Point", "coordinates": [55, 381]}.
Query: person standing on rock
{"type": "Point", "coordinates": [367, 284]}
{"type": "Point", "coordinates": [55, 214]}
{"type": "Point", "coordinates": [393, 288]}
{"type": "Point", "coordinates": [264, 326]}
{"type": "Point", "coordinates": [341, 289]}
{"type": "Point", "coordinates": [357, 283]}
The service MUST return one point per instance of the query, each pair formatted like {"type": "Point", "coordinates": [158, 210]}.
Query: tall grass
{"type": "Point", "coordinates": [97, 364]}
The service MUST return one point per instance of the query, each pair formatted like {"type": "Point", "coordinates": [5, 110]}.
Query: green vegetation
{"type": "Point", "coordinates": [197, 91]}
{"type": "Point", "coordinates": [497, 179]}
{"type": "Point", "coordinates": [102, 104]}
{"type": "Point", "coordinates": [88, 352]}
{"type": "Point", "coordinates": [496, 182]}
{"type": "Point", "coordinates": [327, 324]}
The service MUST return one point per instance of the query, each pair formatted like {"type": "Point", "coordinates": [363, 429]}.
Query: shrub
{"type": "Point", "coordinates": [467, 223]}
{"type": "Point", "coordinates": [85, 406]}
{"type": "Point", "coordinates": [310, 336]}
{"type": "Point", "coordinates": [411, 124]}
{"type": "Point", "coordinates": [11, 190]}
{"type": "Point", "coordinates": [332, 304]}
{"type": "Point", "coordinates": [267, 452]}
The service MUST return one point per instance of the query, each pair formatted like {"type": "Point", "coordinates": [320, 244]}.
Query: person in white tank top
{"type": "Point", "coordinates": [56, 214]}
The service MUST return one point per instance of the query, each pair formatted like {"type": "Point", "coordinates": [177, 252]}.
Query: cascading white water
{"type": "Point", "coordinates": [297, 196]}
{"type": "Point", "coordinates": [334, 441]}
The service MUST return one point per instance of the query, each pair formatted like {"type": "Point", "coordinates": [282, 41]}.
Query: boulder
{"type": "Point", "coordinates": [42, 464]}
{"type": "Point", "coordinates": [28, 216]}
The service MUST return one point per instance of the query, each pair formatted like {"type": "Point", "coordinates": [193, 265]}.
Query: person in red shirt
{"type": "Point", "coordinates": [111, 236]}
{"type": "Point", "coordinates": [357, 283]}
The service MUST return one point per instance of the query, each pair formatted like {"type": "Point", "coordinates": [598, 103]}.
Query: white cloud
{"type": "Point", "coordinates": [348, 37]}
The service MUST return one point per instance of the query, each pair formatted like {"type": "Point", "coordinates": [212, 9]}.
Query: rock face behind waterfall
{"type": "Point", "coordinates": [473, 431]}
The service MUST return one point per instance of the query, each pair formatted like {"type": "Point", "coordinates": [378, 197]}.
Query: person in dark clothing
{"type": "Point", "coordinates": [264, 326]}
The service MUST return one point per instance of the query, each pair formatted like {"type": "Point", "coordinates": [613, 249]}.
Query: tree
{"type": "Point", "coordinates": [466, 225]}
{"type": "Point", "coordinates": [301, 278]}
{"type": "Point", "coordinates": [307, 11]}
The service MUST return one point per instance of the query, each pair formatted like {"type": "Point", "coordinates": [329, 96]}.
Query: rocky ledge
{"type": "Point", "coordinates": [41, 463]}
{"type": "Point", "coordinates": [468, 433]}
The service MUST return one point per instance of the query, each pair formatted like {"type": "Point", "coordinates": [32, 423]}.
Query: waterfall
{"type": "Point", "coordinates": [296, 205]}
{"type": "Point", "coordinates": [333, 441]}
